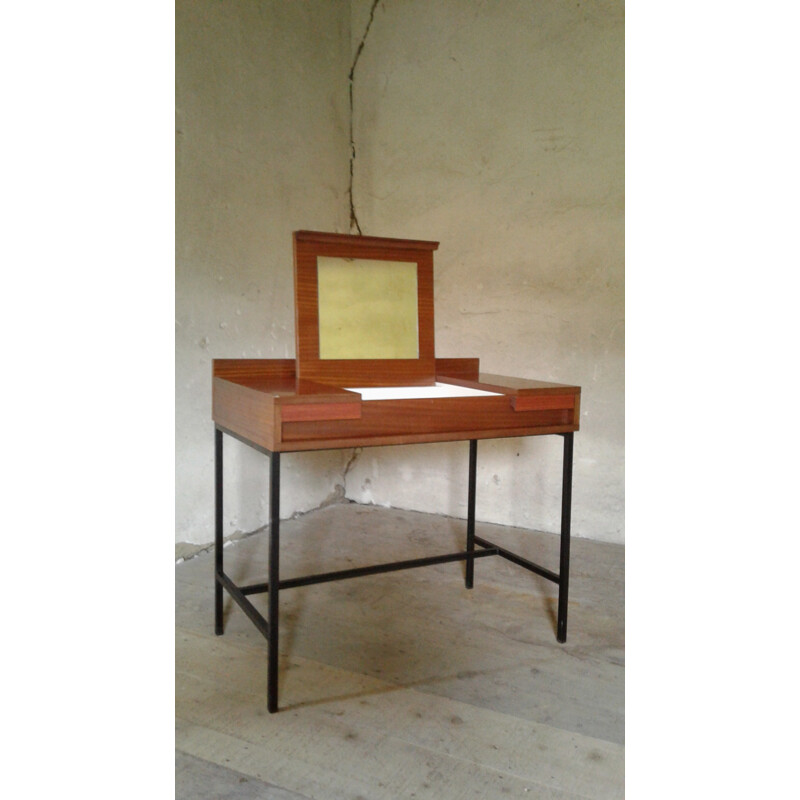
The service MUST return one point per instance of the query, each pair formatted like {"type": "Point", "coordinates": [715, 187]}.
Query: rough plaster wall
{"type": "Point", "coordinates": [497, 128]}
{"type": "Point", "coordinates": [262, 150]}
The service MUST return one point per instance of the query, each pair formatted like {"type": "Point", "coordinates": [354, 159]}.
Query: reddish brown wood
{"type": "Point", "coordinates": [379, 372]}
{"type": "Point", "coordinates": [526, 395]}
{"type": "Point", "coordinates": [286, 415]}
{"type": "Point", "coordinates": [428, 438]}
{"type": "Point", "coordinates": [517, 386]}
{"type": "Point", "coordinates": [362, 242]}
{"type": "Point", "coordinates": [313, 401]}
{"type": "Point", "coordinates": [420, 420]}
{"type": "Point", "coordinates": [308, 245]}
{"type": "Point", "coordinates": [245, 411]}
{"type": "Point", "coordinates": [540, 402]}
{"type": "Point", "coordinates": [304, 412]}
{"type": "Point", "coordinates": [281, 368]}
{"type": "Point", "coordinates": [304, 404]}
{"type": "Point", "coordinates": [463, 368]}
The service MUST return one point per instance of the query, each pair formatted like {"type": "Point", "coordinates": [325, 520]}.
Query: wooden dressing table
{"type": "Point", "coordinates": [366, 374]}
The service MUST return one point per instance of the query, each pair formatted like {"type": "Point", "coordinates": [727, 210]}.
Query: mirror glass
{"type": "Point", "coordinates": [367, 308]}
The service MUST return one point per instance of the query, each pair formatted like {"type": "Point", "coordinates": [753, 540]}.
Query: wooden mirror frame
{"type": "Point", "coordinates": [308, 245]}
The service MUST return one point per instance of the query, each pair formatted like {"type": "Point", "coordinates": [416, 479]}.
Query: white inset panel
{"type": "Point", "coordinates": [419, 392]}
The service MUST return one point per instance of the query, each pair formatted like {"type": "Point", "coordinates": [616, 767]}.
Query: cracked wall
{"type": "Point", "coordinates": [261, 150]}
{"type": "Point", "coordinates": [354, 226]}
{"type": "Point", "coordinates": [497, 129]}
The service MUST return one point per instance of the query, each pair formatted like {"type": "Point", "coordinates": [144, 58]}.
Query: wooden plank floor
{"type": "Point", "coordinates": [404, 684]}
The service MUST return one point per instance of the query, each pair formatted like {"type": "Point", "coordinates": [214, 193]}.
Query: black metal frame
{"type": "Point", "coordinates": [269, 627]}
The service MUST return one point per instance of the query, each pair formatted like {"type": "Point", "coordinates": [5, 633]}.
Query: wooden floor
{"type": "Point", "coordinates": [405, 684]}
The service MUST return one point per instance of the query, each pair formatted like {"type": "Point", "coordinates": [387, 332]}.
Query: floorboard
{"type": "Point", "coordinates": [404, 684]}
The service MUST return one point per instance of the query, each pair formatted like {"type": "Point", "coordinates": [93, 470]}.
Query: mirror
{"type": "Point", "coordinates": [367, 308]}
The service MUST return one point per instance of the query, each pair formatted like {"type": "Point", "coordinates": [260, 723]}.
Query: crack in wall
{"type": "Point", "coordinates": [351, 76]}
{"type": "Point", "coordinates": [339, 493]}
{"type": "Point", "coordinates": [357, 451]}
{"type": "Point", "coordinates": [185, 551]}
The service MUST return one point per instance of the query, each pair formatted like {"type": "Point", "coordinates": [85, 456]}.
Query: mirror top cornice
{"type": "Point", "coordinates": [358, 243]}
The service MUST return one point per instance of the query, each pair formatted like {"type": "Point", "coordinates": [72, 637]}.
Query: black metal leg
{"type": "Point", "coordinates": [270, 627]}
{"type": "Point", "coordinates": [218, 626]}
{"type": "Point", "coordinates": [473, 460]}
{"type": "Point", "coordinates": [566, 514]}
{"type": "Point", "coordinates": [274, 581]}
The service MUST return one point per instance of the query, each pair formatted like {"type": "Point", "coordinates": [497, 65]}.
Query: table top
{"type": "Point", "coordinates": [264, 402]}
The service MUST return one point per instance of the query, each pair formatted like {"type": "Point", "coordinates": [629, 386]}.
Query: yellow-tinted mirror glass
{"type": "Point", "coordinates": [367, 309]}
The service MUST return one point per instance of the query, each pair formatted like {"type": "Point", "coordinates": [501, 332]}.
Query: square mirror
{"type": "Point", "coordinates": [364, 309]}
{"type": "Point", "coordinates": [367, 308]}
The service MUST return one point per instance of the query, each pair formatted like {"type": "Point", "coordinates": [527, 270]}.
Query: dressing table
{"type": "Point", "coordinates": [366, 374]}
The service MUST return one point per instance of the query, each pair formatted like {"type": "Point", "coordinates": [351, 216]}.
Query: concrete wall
{"type": "Point", "coordinates": [262, 149]}
{"type": "Point", "coordinates": [495, 128]}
